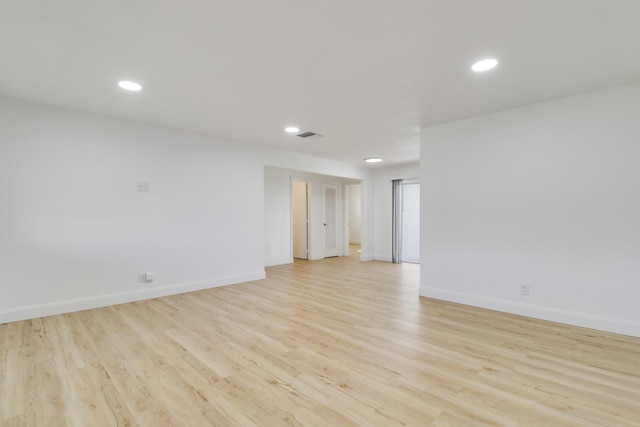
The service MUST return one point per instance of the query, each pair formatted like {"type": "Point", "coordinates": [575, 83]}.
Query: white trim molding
{"type": "Point", "coordinates": [618, 326]}
{"type": "Point", "coordinates": [68, 306]}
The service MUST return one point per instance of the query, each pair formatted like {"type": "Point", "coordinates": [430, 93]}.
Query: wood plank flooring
{"type": "Point", "coordinates": [335, 342]}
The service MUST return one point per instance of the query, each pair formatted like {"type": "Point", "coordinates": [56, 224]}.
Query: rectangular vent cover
{"type": "Point", "coordinates": [311, 135]}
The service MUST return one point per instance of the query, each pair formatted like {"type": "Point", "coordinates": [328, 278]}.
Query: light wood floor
{"type": "Point", "coordinates": [333, 343]}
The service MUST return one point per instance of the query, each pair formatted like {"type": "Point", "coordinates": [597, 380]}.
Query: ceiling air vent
{"type": "Point", "coordinates": [310, 135]}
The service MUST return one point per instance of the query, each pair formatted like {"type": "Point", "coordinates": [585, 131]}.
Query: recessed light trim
{"type": "Point", "coordinates": [132, 86]}
{"type": "Point", "coordinates": [484, 65]}
{"type": "Point", "coordinates": [291, 129]}
{"type": "Point", "coordinates": [373, 159]}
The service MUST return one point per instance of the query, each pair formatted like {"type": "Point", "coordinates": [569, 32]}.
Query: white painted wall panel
{"type": "Point", "coordinates": [546, 195]}
{"type": "Point", "coordinates": [75, 232]}
{"type": "Point", "coordinates": [354, 200]}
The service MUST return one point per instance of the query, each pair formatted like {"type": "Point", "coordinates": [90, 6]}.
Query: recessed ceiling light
{"type": "Point", "coordinates": [130, 86]}
{"type": "Point", "coordinates": [484, 65]}
{"type": "Point", "coordinates": [373, 159]}
{"type": "Point", "coordinates": [291, 129]}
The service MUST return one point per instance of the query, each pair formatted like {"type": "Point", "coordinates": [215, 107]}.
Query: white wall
{"type": "Point", "coordinates": [277, 217]}
{"type": "Point", "coordinates": [383, 203]}
{"type": "Point", "coordinates": [411, 222]}
{"type": "Point", "coordinates": [312, 165]}
{"type": "Point", "coordinates": [547, 196]}
{"type": "Point", "coordinates": [75, 232]}
{"type": "Point", "coordinates": [354, 200]}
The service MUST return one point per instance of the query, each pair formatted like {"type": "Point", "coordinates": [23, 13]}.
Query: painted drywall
{"type": "Point", "coordinates": [75, 232]}
{"type": "Point", "coordinates": [411, 222]}
{"type": "Point", "coordinates": [547, 196]}
{"type": "Point", "coordinates": [383, 202]}
{"type": "Point", "coordinates": [277, 210]}
{"type": "Point", "coordinates": [277, 217]}
{"type": "Point", "coordinates": [300, 219]}
{"type": "Point", "coordinates": [354, 212]}
{"type": "Point", "coordinates": [312, 165]}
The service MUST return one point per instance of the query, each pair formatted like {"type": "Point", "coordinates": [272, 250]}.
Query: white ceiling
{"type": "Point", "coordinates": [366, 74]}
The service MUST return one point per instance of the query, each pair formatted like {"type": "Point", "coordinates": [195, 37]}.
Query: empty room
{"type": "Point", "coordinates": [354, 213]}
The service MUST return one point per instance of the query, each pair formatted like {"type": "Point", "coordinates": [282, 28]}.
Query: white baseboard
{"type": "Point", "coordinates": [384, 258]}
{"type": "Point", "coordinates": [279, 261]}
{"type": "Point", "coordinates": [60, 307]}
{"type": "Point", "coordinates": [618, 326]}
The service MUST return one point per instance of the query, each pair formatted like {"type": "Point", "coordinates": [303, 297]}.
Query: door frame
{"type": "Point", "coordinates": [308, 215]}
{"type": "Point", "coordinates": [337, 251]}
{"type": "Point", "coordinates": [405, 183]}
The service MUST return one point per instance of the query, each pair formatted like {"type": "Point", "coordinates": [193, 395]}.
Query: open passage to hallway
{"type": "Point", "coordinates": [336, 342]}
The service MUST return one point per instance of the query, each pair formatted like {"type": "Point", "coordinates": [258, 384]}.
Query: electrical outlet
{"type": "Point", "coordinates": [149, 277]}
{"type": "Point", "coordinates": [524, 290]}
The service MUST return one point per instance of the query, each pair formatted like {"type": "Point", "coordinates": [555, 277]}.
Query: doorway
{"type": "Point", "coordinates": [300, 198]}
{"type": "Point", "coordinates": [405, 236]}
{"type": "Point", "coordinates": [411, 222]}
{"type": "Point", "coordinates": [330, 219]}
{"type": "Point", "coordinates": [354, 219]}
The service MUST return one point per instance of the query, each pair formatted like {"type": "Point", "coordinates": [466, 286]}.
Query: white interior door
{"type": "Point", "coordinates": [300, 218]}
{"type": "Point", "coordinates": [330, 219]}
